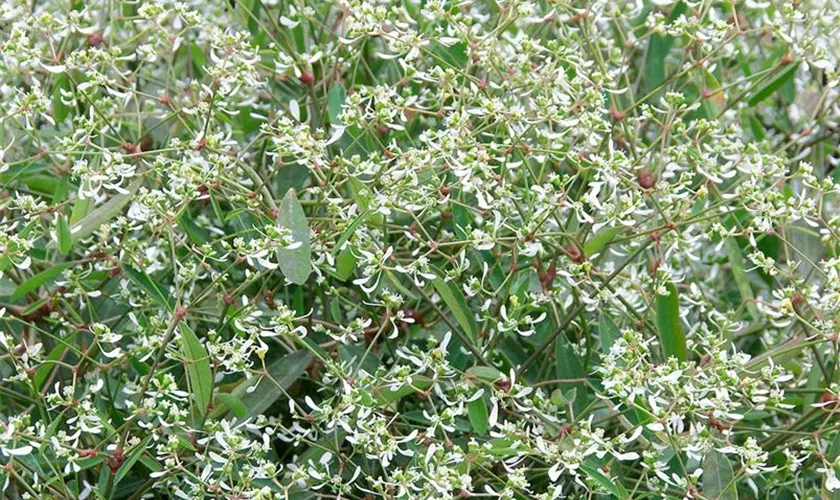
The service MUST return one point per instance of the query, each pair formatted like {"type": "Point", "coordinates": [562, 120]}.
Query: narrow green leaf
{"type": "Point", "coordinates": [477, 411]}
{"type": "Point", "coordinates": [335, 101]}
{"type": "Point", "coordinates": [80, 209]}
{"type": "Point", "coordinates": [291, 176]}
{"type": "Point", "coordinates": [131, 459]}
{"type": "Point", "coordinates": [357, 356]}
{"type": "Point", "coordinates": [63, 237]}
{"type": "Point", "coordinates": [671, 334]}
{"type": "Point", "coordinates": [756, 127]}
{"type": "Point", "coordinates": [608, 331]}
{"type": "Point", "coordinates": [774, 84]}
{"type": "Point", "coordinates": [251, 12]}
{"type": "Point", "coordinates": [360, 192]}
{"type": "Point", "coordinates": [348, 232]}
{"type": "Point", "coordinates": [614, 487]}
{"type": "Point", "coordinates": [717, 477]}
{"type": "Point", "coordinates": [657, 52]}
{"type": "Point", "coordinates": [599, 240]}
{"type": "Point", "coordinates": [198, 58]}
{"type": "Point", "coordinates": [87, 463]}
{"type": "Point", "coordinates": [344, 264]}
{"type": "Point", "coordinates": [60, 110]}
{"type": "Point", "coordinates": [61, 189]}
{"type": "Point", "coordinates": [454, 300]}
{"type": "Point", "coordinates": [815, 376]}
{"type": "Point", "coordinates": [199, 373]}
{"type": "Point", "coordinates": [485, 373]}
{"type": "Point", "coordinates": [569, 365]}
{"type": "Point", "coordinates": [715, 94]}
{"type": "Point", "coordinates": [197, 234]}
{"type": "Point", "coordinates": [34, 306]}
{"type": "Point", "coordinates": [51, 431]}
{"type": "Point", "coordinates": [39, 279]}
{"type": "Point", "coordinates": [143, 280]}
{"type": "Point", "coordinates": [460, 219]}
{"type": "Point", "coordinates": [736, 263]}
{"type": "Point", "coordinates": [295, 264]}
{"type": "Point", "coordinates": [385, 396]}
{"type": "Point", "coordinates": [102, 214]}
{"type": "Point", "coordinates": [43, 371]}
{"type": "Point", "coordinates": [281, 374]}
{"type": "Point", "coordinates": [781, 353]}
{"type": "Point", "coordinates": [834, 448]}
{"type": "Point", "coordinates": [7, 287]}
{"type": "Point", "coordinates": [232, 403]}
{"type": "Point", "coordinates": [329, 443]}
{"type": "Point", "coordinates": [150, 463]}
{"type": "Point", "coordinates": [832, 455]}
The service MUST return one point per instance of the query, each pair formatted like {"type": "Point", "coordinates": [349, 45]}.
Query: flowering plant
{"type": "Point", "coordinates": [263, 249]}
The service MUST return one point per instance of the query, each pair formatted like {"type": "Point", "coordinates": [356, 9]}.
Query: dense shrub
{"type": "Point", "coordinates": [258, 249]}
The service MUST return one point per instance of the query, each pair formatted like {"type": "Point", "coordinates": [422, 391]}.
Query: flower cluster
{"type": "Point", "coordinates": [394, 249]}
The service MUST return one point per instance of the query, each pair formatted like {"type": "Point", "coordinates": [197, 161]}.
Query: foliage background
{"type": "Point", "coordinates": [419, 249]}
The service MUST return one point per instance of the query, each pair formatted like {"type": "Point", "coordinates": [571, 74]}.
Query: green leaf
{"type": "Point", "coordinates": [199, 373]}
{"type": "Point", "coordinates": [232, 403]}
{"type": "Point", "coordinates": [360, 193]}
{"type": "Point", "coordinates": [715, 95]}
{"type": "Point", "coordinates": [51, 431]}
{"type": "Point", "coordinates": [477, 411]}
{"type": "Point", "coordinates": [335, 101]}
{"type": "Point", "coordinates": [774, 84]}
{"type": "Point", "coordinates": [657, 53]}
{"type": "Point", "coordinates": [295, 264]}
{"type": "Point", "coordinates": [608, 331]}
{"type": "Point", "coordinates": [43, 371]}
{"type": "Point", "coordinates": [600, 239]}
{"type": "Point", "coordinates": [736, 263]}
{"type": "Point", "coordinates": [832, 455]}
{"type": "Point", "coordinates": [671, 334]}
{"type": "Point", "coordinates": [198, 58]}
{"type": "Point", "coordinates": [34, 306]}
{"type": "Point", "coordinates": [756, 127]}
{"type": "Point", "coordinates": [102, 214]}
{"type": "Point", "coordinates": [143, 280]}
{"type": "Point", "coordinates": [251, 12]}
{"type": "Point", "coordinates": [348, 232]}
{"type": "Point", "coordinates": [614, 487]}
{"type": "Point", "coordinates": [357, 356]}
{"type": "Point", "coordinates": [291, 176]}
{"type": "Point", "coordinates": [61, 189]}
{"type": "Point", "coordinates": [385, 396]}
{"type": "Point", "coordinates": [344, 264]}
{"type": "Point", "coordinates": [281, 374]}
{"type": "Point", "coordinates": [329, 443]}
{"type": "Point", "coordinates": [87, 463]}
{"type": "Point", "coordinates": [7, 286]}
{"type": "Point", "coordinates": [39, 279]}
{"type": "Point", "coordinates": [717, 477]}
{"type": "Point", "coordinates": [570, 366]}
{"type": "Point", "coordinates": [130, 460]}
{"type": "Point", "coordinates": [834, 448]}
{"type": "Point", "coordinates": [80, 209]}
{"type": "Point", "coordinates": [454, 300]}
{"type": "Point", "coordinates": [197, 234]}
{"type": "Point", "coordinates": [150, 463]}
{"type": "Point", "coordinates": [63, 237]}
{"type": "Point", "coordinates": [60, 110]}
{"type": "Point", "coordinates": [485, 373]}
